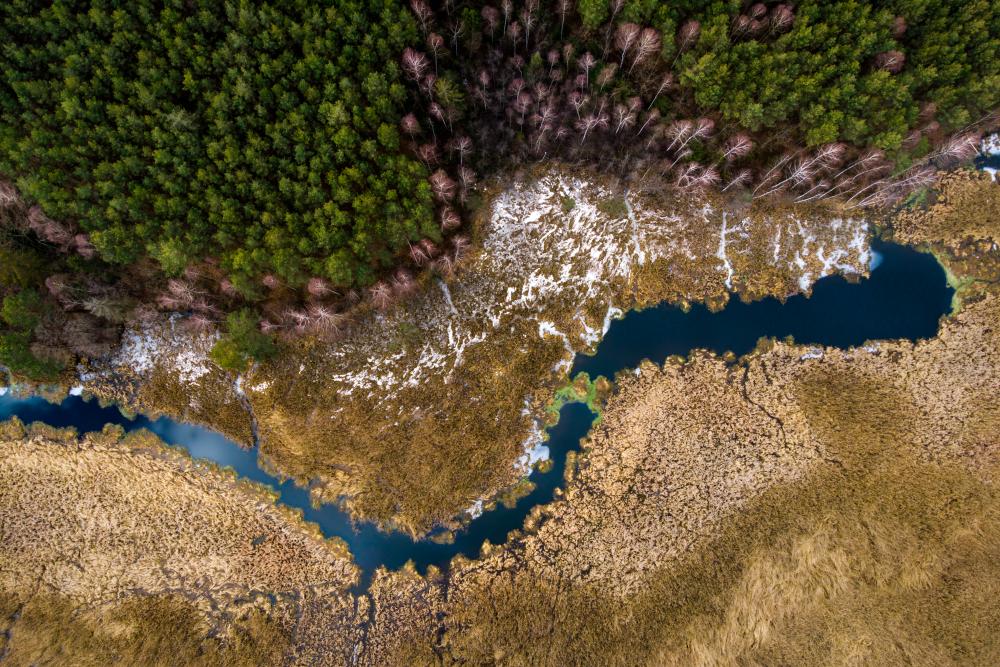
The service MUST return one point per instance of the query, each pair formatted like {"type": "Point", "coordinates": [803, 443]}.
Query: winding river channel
{"type": "Point", "coordinates": [905, 297]}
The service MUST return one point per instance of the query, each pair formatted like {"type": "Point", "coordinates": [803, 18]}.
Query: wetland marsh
{"type": "Point", "coordinates": [904, 297]}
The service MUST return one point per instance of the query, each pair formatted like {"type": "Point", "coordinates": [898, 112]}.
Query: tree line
{"type": "Point", "coordinates": [263, 168]}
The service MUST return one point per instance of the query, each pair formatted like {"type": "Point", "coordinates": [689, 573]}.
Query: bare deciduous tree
{"type": "Point", "coordinates": [410, 125]}
{"type": "Point", "coordinates": [450, 219]}
{"type": "Point", "coordinates": [687, 36]}
{"type": "Point", "coordinates": [414, 64]}
{"type": "Point", "coordinates": [442, 186]}
{"type": "Point", "coordinates": [741, 178]}
{"type": "Point", "coordinates": [381, 295]}
{"type": "Point", "coordinates": [736, 147]}
{"type": "Point", "coordinates": [435, 44]}
{"type": "Point", "coordinates": [890, 61]}
{"type": "Point", "coordinates": [8, 195]}
{"type": "Point", "coordinates": [425, 16]}
{"type": "Point", "coordinates": [959, 148]}
{"type": "Point", "coordinates": [586, 63]}
{"type": "Point", "coordinates": [491, 19]}
{"type": "Point", "coordinates": [625, 37]}
{"type": "Point", "coordinates": [319, 288]}
{"type": "Point", "coordinates": [647, 45]}
{"type": "Point", "coordinates": [781, 18]}
{"type": "Point", "coordinates": [666, 81]}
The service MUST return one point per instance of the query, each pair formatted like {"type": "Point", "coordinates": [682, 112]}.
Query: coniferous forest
{"type": "Point", "coordinates": [265, 167]}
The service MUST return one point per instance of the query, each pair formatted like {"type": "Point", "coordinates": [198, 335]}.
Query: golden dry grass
{"type": "Point", "coordinates": [884, 557]}
{"type": "Point", "coordinates": [157, 630]}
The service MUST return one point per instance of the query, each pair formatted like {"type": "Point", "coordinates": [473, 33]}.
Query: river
{"type": "Point", "coordinates": [905, 297]}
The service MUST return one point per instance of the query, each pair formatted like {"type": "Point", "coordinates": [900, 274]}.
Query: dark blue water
{"type": "Point", "coordinates": [904, 298]}
{"type": "Point", "coordinates": [991, 161]}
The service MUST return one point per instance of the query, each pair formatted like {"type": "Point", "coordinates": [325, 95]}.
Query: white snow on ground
{"type": "Point", "coordinates": [533, 448]}
{"type": "Point", "coordinates": [726, 233]}
{"type": "Point", "coordinates": [170, 347]}
{"type": "Point", "coordinates": [447, 296]}
{"type": "Point", "coordinates": [546, 328]}
{"type": "Point", "coordinates": [991, 144]}
{"type": "Point", "coordinates": [76, 391]}
{"type": "Point", "coordinates": [536, 262]}
{"type": "Point", "coordinates": [721, 252]}
{"type": "Point", "coordinates": [4, 390]}
{"type": "Point", "coordinates": [476, 510]}
{"type": "Point", "coordinates": [849, 253]}
{"type": "Point", "coordinates": [813, 353]}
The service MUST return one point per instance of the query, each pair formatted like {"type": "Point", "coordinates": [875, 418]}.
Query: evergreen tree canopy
{"type": "Point", "coordinates": [263, 134]}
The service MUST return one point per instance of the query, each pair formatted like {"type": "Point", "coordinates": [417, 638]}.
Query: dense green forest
{"type": "Point", "coordinates": [263, 133]}
{"type": "Point", "coordinates": [263, 167]}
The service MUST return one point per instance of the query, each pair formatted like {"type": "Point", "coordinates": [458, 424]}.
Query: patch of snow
{"type": "Point", "coordinates": [721, 253]}
{"type": "Point", "coordinates": [991, 144]}
{"type": "Point", "coordinates": [613, 313]}
{"type": "Point", "coordinates": [4, 391]}
{"type": "Point", "coordinates": [813, 353]}
{"type": "Point", "coordinates": [447, 296]}
{"type": "Point", "coordinates": [76, 391]}
{"type": "Point", "coordinates": [476, 510]}
{"type": "Point", "coordinates": [190, 365]}
{"type": "Point", "coordinates": [546, 328]}
{"type": "Point", "coordinates": [184, 355]}
{"type": "Point", "coordinates": [533, 448]}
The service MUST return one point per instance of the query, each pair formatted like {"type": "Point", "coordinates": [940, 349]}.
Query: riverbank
{"type": "Point", "coordinates": [807, 506]}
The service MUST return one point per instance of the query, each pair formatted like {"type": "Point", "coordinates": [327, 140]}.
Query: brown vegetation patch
{"type": "Point", "coordinates": [120, 549]}
{"type": "Point", "coordinates": [50, 629]}
{"type": "Point", "coordinates": [884, 546]}
{"type": "Point", "coordinates": [966, 206]}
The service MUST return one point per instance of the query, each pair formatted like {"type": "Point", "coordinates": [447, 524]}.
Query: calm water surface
{"type": "Point", "coordinates": [904, 298]}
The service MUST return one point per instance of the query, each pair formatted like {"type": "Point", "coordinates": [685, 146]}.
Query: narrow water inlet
{"type": "Point", "coordinates": [905, 297]}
